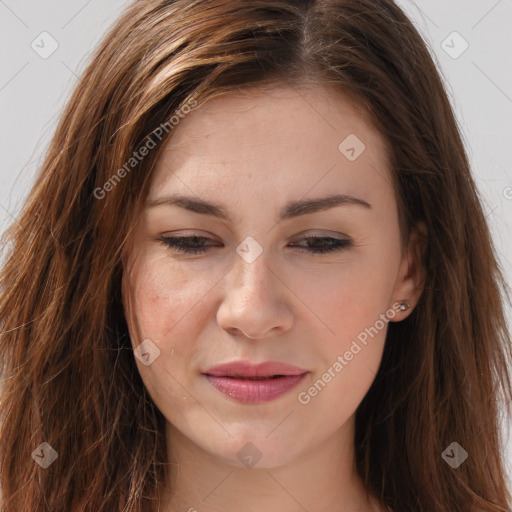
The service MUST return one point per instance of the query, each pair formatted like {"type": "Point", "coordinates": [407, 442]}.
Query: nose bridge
{"type": "Point", "coordinates": [251, 271]}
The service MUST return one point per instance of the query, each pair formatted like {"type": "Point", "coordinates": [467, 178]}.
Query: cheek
{"type": "Point", "coordinates": [350, 303]}
{"type": "Point", "coordinates": [347, 299]}
{"type": "Point", "coordinates": [161, 296]}
{"type": "Point", "coordinates": [169, 308]}
{"type": "Point", "coordinates": [350, 360]}
{"type": "Point", "coordinates": [157, 300]}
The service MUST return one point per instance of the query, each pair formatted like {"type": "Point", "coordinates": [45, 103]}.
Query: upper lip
{"type": "Point", "coordinates": [248, 369]}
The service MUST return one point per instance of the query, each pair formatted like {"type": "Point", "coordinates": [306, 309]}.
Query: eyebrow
{"type": "Point", "coordinates": [290, 210]}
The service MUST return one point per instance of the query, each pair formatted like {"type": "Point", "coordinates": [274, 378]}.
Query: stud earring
{"type": "Point", "coordinates": [404, 306]}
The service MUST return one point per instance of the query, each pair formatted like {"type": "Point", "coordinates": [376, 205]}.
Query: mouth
{"type": "Point", "coordinates": [249, 383]}
{"type": "Point", "coordinates": [241, 377]}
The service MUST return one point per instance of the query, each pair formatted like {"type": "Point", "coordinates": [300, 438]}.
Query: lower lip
{"type": "Point", "coordinates": [255, 391]}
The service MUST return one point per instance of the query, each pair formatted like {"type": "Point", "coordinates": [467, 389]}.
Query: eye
{"type": "Point", "coordinates": [186, 244]}
{"type": "Point", "coordinates": [326, 244]}
{"type": "Point", "coordinates": [195, 244]}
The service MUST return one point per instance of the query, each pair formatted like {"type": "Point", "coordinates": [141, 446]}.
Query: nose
{"type": "Point", "coordinates": [256, 300]}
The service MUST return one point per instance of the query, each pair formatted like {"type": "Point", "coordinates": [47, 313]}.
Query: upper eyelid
{"type": "Point", "coordinates": [320, 233]}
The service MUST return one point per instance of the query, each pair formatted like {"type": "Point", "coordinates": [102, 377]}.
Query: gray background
{"type": "Point", "coordinates": [33, 90]}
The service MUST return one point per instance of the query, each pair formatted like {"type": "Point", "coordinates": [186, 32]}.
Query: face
{"type": "Point", "coordinates": [275, 277]}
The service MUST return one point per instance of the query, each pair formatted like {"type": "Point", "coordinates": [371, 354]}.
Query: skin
{"type": "Point", "coordinates": [253, 152]}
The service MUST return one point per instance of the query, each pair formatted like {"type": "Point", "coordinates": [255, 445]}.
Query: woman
{"type": "Point", "coordinates": [254, 273]}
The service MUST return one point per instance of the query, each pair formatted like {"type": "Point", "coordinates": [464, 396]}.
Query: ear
{"type": "Point", "coordinates": [410, 281]}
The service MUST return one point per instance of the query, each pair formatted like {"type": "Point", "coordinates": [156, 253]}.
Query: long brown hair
{"type": "Point", "coordinates": [69, 374]}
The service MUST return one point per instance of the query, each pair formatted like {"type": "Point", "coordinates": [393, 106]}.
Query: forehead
{"type": "Point", "coordinates": [284, 140]}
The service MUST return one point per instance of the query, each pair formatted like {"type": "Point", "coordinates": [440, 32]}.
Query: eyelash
{"type": "Point", "coordinates": [176, 243]}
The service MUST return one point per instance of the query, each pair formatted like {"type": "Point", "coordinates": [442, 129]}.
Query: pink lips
{"type": "Point", "coordinates": [249, 383]}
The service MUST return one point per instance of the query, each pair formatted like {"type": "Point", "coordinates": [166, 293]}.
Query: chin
{"type": "Point", "coordinates": [258, 452]}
